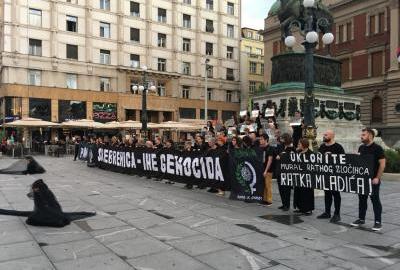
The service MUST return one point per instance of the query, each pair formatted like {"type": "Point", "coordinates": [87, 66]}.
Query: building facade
{"type": "Point", "coordinates": [251, 64]}
{"type": "Point", "coordinates": [79, 59]}
{"type": "Point", "coordinates": [366, 42]}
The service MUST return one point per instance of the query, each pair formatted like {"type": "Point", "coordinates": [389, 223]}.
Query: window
{"type": "Point", "coordinates": [229, 52]}
{"type": "Point", "coordinates": [209, 48]}
{"type": "Point", "coordinates": [258, 51]}
{"type": "Point", "coordinates": [105, 57]}
{"type": "Point", "coordinates": [229, 74]}
{"type": "Point", "coordinates": [105, 84]}
{"type": "Point", "coordinates": [341, 34]}
{"type": "Point", "coordinates": [253, 67]}
{"type": "Point", "coordinates": [135, 9]}
{"type": "Point", "coordinates": [35, 47]}
{"type": "Point", "coordinates": [104, 30]}
{"type": "Point", "coordinates": [162, 15]}
{"type": "Point", "coordinates": [162, 64]}
{"type": "Point", "coordinates": [72, 22]}
{"type": "Point", "coordinates": [381, 22]}
{"type": "Point", "coordinates": [161, 89]}
{"type": "Point", "coordinates": [262, 69]}
{"type": "Point", "coordinates": [188, 2]}
{"type": "Point", "coordinates": [210, 71]}
{"type": "Point", "coordinates": [228, 97]}
{"type": "Point", "coordinates": [209, 93]}
{"type": "Point", "coordinates": [105, 4]}
{"type": "Point", "coordinates": [252, 87]}
{"type": "Point", "coordinates": [35, 17]}
{"type": "Point", "coordinates": [230, 31]}
{"type": "Point", "coordinates": [249, 34]}
{"type": "Point", "coordinates": [376, 64]}
{"type": "Point", "coordinates": [377, 109]}
{"type": "Point", "coordinates": [72, 51]}
{"type": "Point", "coordinates": [230, 8]}
{"type": "Point", "coordinates": [34, 77]}
{"type": "Point", "coordinates": [72, 81]}
{"type": "Point", "coordinates": [247, 49]}
{"type": "Point", "coordinates": [186, 45]}
{"type": "Point", "coordinates": [187, 113]}
{"type": "Point", "coordinates": [209, 26]}
{"type": "Point", "coordinates": [348, 32]}
{"type": "Point", "coordinates": [186, 68]}
{"type": "Point", "coordinates": [210, 4]}
{"type": "Point", "coordinates": [135, 34]}
{"type": "Point", "coordinates": [187, 23]}
{"type": "Point", "coordinates": [186, 92]}
{"type": "Point", "coordinates": [135, 60]}
{"type": "Point", "coordinates": [372, 25]}
{"type": "Point", "coordinates": [162, 40]}
{"type": "Point", "coordinates": [345, 70]}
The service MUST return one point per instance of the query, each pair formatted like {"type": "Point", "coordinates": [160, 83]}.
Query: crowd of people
{"type": "Point", "coordinates": [269, 145]}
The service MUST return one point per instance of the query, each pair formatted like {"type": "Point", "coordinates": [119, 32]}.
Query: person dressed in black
{"type": "Point", "coordinates": [76, 147]}
{"type": "Point", "coordinates": [284, 191]}
{"type": "Point", "coordinates": [297, 128]}
{"type": "Point", "coordinates": [200, 146]}
{"type": "Point", "coordinates": [329, 146]}
{"type": "Point", "coordinates": [369, 147]}
{"type": "Point", "coordinates": [303, 196]}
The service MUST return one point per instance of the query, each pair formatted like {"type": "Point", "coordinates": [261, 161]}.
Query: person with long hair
{"type": "Point", "coordinates": [303, 196]}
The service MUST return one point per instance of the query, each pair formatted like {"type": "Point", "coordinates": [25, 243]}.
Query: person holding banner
{"type": "Point", "coordinates": [304, 197]}
{"type": "Point", "coordinates": [369, 147]}
{"type": "Point", "coordinates": [329, 146]}
{"type": "Point", "coordinates": [284, 191]}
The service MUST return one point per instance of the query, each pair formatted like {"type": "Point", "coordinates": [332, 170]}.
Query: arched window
{"type": "Point", "coordinates": [377, 110]}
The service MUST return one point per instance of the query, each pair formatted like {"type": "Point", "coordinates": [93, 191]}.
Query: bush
{"type": "Point", "coordinates": [392, 161]}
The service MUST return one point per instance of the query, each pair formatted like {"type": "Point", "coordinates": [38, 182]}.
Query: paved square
{"type": "Point", "coordinates": [142, 224]}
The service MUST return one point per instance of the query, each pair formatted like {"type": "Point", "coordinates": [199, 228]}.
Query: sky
{"type": "Point", "coordinates": [254, 12]}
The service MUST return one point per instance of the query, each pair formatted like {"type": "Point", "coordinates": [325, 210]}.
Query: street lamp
{"type": "Point", "coordinates": [207, 67]}
{"type": "Point", "coordinates": [142, 89]}
{"type": "Point", "coordinates": [309, 26]}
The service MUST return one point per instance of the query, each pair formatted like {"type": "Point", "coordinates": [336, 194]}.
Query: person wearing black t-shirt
{"type": "Point", "coordinates": [331, 147]}
{"type": "Point", "coordinates": [284, 191]}
{"type": "Point", "coordinates": [370, 148]}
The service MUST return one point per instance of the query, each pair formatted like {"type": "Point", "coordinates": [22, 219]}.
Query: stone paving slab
{"type": "Point", "coordinates": [148, 225]}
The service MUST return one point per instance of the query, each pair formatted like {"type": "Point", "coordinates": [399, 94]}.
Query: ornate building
{"type": "Point", "coordinates": [251, 64]}
{"type": "Point", "coordinates": [79, 59]}
{"type": "Point", "coordinates": [366, 42]}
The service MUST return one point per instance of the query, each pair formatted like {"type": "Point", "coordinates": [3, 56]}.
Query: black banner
{"type": "Point", "coordinates": [248, 177]}
{"type": "Point", "coordinates": [339, 172]}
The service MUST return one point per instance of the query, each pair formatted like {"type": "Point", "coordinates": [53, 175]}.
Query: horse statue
{"type": "Point", "coordinates": [293, 10]}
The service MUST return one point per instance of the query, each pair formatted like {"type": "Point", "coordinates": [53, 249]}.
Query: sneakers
{"type": "Point", "coordinates": [324, 216]}
{"type": "Point", "coordinates": [335, 219]}
{"type": "Point", "coordinates": [377, 226]}
{"type": "Point", "coordinates": [357, 223]}
{"type": "Point", "coordinates": [281, 207]}
{"type": "Point", "coordinates": [285, 209]}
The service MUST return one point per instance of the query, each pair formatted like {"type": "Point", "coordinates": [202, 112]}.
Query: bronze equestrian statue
{"type": "Point", "coordinates": [293, 10]}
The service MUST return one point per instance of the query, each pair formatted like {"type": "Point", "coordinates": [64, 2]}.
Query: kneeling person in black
{"type": "Point", "coordinates": [329, 146]}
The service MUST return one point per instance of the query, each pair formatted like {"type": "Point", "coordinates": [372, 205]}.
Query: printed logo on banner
{"type": "Point", "coordinates": [248, 181]}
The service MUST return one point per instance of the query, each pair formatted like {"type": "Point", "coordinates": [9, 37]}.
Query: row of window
{"type": "Point", "coordinates": [135, 7]}
{"type": "Point", "coordinates": [251, 50]}
{"type": "Point", "coordinates": [35, 48]}
{"type": "Point", "coordinates": [376, 25]}
{"type": "Point", "coordinates": [35, 19]}
{"type": "Point", "coordinates": [253, 86]}
{"type": "Point", "coordinates": [376, 67]}
{"type": "Point", "coordinates": [253, 68]}
{"type": "Point", "coordinates": [35, 78]}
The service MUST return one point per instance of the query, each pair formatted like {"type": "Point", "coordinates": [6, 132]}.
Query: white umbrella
{"type": "Point", "coordinates": [176, 126]}
{"type": "Point", "coordinates": [135, 125]}
{"type": "Point", "coordinates": [112, 125]}
{"type": "Point", "coordinates": [31, 122]}
{"type": "Point", "coordinates": [82, 123]}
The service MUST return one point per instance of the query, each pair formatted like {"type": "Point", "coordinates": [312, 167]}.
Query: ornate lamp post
{"type": "Point", "coordinates": [309, 23]}
{"type": "Point", "coordinates": [143, 89]}
{"type": "Point", "coordinates": [207, 68]}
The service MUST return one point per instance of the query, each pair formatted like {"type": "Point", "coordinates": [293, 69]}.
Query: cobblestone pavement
{"type": "Point", "coordinates": [142, 224]}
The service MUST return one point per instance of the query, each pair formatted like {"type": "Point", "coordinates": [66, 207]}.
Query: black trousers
{"type": "Point", "coordinates": [76, 152]}
{"type": "Point", "coordinates": [376, 204]}
{"type": "Point", "coordinates": [329, 196]}
{"type": "Point", "coordinates": [284, 192]}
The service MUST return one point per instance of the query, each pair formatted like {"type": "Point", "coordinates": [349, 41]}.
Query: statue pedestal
{"type": "Point", "coordinates": [334, 111]}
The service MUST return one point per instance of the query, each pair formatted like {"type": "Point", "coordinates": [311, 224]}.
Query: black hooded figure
{"type": "Point", "coordinates": [47, 211]}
